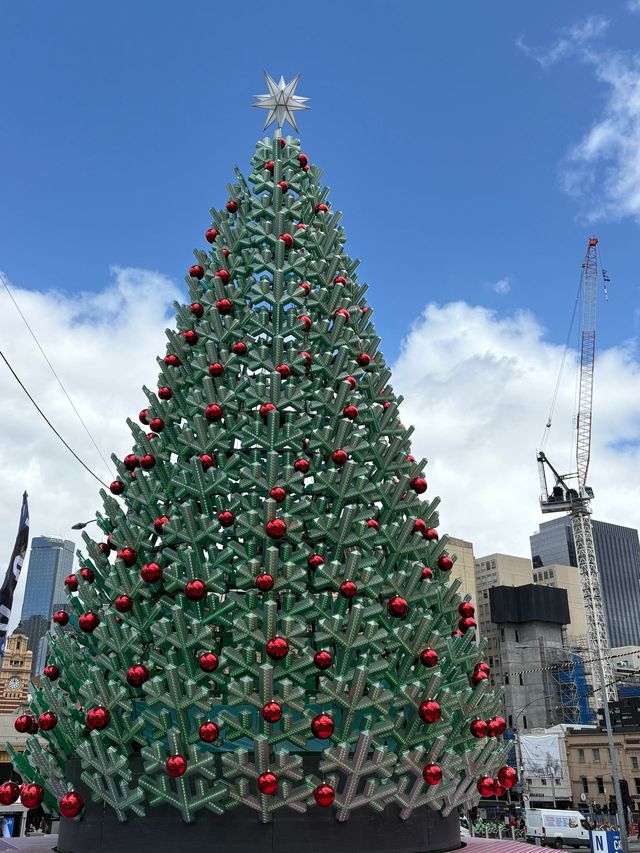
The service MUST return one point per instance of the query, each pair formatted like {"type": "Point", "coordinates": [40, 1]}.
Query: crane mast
{"type": "Point", "coordinates": [564, 497]}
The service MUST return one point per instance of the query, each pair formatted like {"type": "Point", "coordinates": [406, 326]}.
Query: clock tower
{"type": "Point", "coordinates": [15, 672]}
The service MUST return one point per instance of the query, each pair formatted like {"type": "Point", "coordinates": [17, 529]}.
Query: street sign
{"type": "Point", "coordinates": [605, 841]}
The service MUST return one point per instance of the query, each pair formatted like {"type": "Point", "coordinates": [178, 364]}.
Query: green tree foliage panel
{"type": "Point", "coordinates": [273, 501]}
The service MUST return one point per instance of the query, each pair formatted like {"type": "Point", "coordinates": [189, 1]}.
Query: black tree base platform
{"type": "Point", "coordinates": [240, 831]}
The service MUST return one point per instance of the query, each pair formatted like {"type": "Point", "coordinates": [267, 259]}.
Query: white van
{"type": "Point", "coordinates": [557, 827]}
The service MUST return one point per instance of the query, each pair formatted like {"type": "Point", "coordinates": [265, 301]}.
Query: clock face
{"type": "Point", "coordinates": [14, 683]}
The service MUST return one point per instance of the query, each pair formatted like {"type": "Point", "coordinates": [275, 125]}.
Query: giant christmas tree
{"type": "Point", "coordinates": [268, 622]}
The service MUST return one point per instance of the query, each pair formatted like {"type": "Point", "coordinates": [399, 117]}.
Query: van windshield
{"type": "Point", "coordinates": [584, 824]}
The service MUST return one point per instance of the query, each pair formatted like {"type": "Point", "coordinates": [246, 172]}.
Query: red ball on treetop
{"type": "Point", "coordinates": [350, 412]}
{"type": "Point", "coordinates": [303, 159]}
{"type": "Point", "coordinates": [507, 776]}
{"type": "Point", "coordinates": [272, 712]}
{"type": "Point", "coordinates": [305, 320]}
{"type": "Point", "coordinates": [304, 285]}
{"type": "Point", "coordinates": [104, 548]}
{"type": "Point", "coordinates": [226, 518]}
{"type": "Point", "coordinates": [143, 416]}
{"type": "Point", "coordinates": [419, 485]}
{"type": "Point", "coordinates": [431, 535]}
{"type": "Point", "coordinates": [147, 461]}
{"type": "Point", "coordinates": [210, 235]}
{"type": "Point", "coordinates": [265, 408]}
{"type": "Point", "coordinates": [277, 648]}
{"type": "Point", "coordinates": [195, 590]}
{"type": "Point", "coordinates": [284, 370]}
{"type": "Point", "coordinates": [321, 208]}
{"type": "Point", "coordinates": [157, 425]}
{"type": "Point", "coordinates": [478, 728]}
{"type": "Point", "coordinates": [51, 671]}
{"type": "Point", "coordinates": [432, 774]}
{"type": "Point", "coordinates": [419, 526]}
{"type": "Point", "coordinates": [485, 786]}
{"type": "Point", "coordinates": [127, 555]}
{"type": "Point", "coordinates": [165, 393]}
{"type": "Point", "coordinates": [209, 732]}
{"type": "Point", "coordinates": [314, 561]}
{"type": "Point", "coordinates": [208, 662]}
{"type": "Point", "coordinates": [224, 306]}
{"type": "Point", "coordinates": [264, 582]}
{"type": "Point", "coordinates": [31, 795]}
{"type": "Point", "coordinates": [428, 657]}
{"type": "Point", "coordinates": [232, 206]}
{"type": "Point", "coordinates": [306, 356]}
{"type": "Point", "coordinates": [397, 607]}
{"type": "Point", "coordinates": [172, 360]}
{"type": "Point", "coordinates": [445, 563]}
{"type": "Point", "coordinates": [24, 723]}
{"type": "Point", "coordinates": [137, 675]}
{"type": "Point", "coordinates": [348, 589]}
{"type": "Point", "coordinates": [223, 275]}
{"type": "Point", "coordinates": [301, 465]}
{"type": "Point", "coordinates": [61, 617]}
{"type": "Point", "coordinates": [371, 522]}
{"type": "Point", "coordinates": [207, 461]}
{"type": "Point", "coordinates": [239, 348]}
{"type": "Point", "coordinates": [176, 766]}
{"type": "Point", "coordinates": [342, 312]}
{"type": "Point", "coordinates": [216, 369]}
{"type": "Point", "coordinates": [197, 310]}
{"type": "Point", "coordinates": [213, 412]}
{"type": "Point", "coordinates": [430, 711]}
{"type": "Point", "coordinates": [159, 523]}
{"type": "Point", "coordinates": [323, 659]}
{"type": "Point", "coordinates": [9, 793]}
{"type": "Point", "coordinates": [339, 457]}
{"type": "Point", "coordinates": [427, 574]}
{"type": "Point", "coordinates": [339, 279]}
{"type": "Point", "coordinates": [196, 271]}
{"type": "Point", "coordinates": [466, 624]}
{"type": "Point", "coordinates": [71, 583]}
{"type": "Point", "coordinates": [276, 528]}
{"type": "Point", "coordinates": [268, 783]}
{"type": "Point", "coordinates": [364, 359]}
{"type": "Point", "coordinates": [466, 608]}
{"type": "Point", "coordinates": [269, 166]}
{"type": "Point", "coordinates": [287, 239]}
{"type": "Point", "coordinates": [483, 666]}
{"type": "Point", "coordinates": [324, 795]}
{"type": "Point", "coordinates": [71, 804]}
{"type": "Point", "coordinates": [98, 718]}
{"type": "Point", "coordinates": [478, 676]}
{"type": "Point", "coordinates": [284, 186]}
{"type": "Point", "coordinates": [89, 621]}
{"type": "Point", "coordinates": [123, 603]}
{"type": "Point", "coordinates": [87, 574]}
{"type": "Point", "coordinates": [151, 572]}
{"type": "Point", "coordinates": [322, 726]}
{"type": "Point", "coordinates": [278, 494]}
{"type": "Point", "coordinates": [117, 487]}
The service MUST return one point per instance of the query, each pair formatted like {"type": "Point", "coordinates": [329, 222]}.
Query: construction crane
{"type": "Point", "coordinates": [570, 492]}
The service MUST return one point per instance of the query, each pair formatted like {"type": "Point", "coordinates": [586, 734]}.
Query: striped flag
{"type": "Point", "coordinates": [13, 572]}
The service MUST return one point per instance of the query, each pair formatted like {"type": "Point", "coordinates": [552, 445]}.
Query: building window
{"type": "Point", "coordinates": [550, 573]}
{"type": "Point", "coordinates": [634, 762]}
{"type": "Point", "coordinates": [637, 781]}
{"type": "Point", "coordinates": [506, 678]}
{"type": "Point", "coordinates": [543, 781]}
{"type": "Point", "coordinates": [502, 633]}
{"type": "Point", "coordinates": [600, 784]}
{"type": "Point", "coordinates": [581, 756]}
{"type": "Point", "coordinates": [546, 575]}
{"type": "Point", "coordinates": [510, 719]}
{"type": "Point", "coordinates": [524, 722]}
{"type": "Point", "coordinates": [517, 637]}
{"type": "Point", "coordinates": [585, 784]}
{"type": "Point", "coordinates": [520, 679]}
{"type": "Point", "coordinates": [485, 593]}
{"type": "Point", "coordinates": [493, 564]}
{"type": "Point", "coordinates": [596, 756]}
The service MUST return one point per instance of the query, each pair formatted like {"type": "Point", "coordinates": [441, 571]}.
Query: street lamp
{"type": "Point", "coordinates": [82, 524]}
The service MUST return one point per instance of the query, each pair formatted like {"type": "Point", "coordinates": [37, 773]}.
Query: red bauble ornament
{"type": "Point", "coordinates": [31, 795]}
{"type": "Point", "coordinates": [239, 348]}
{"type": "Point", "coordinates": [209, 732]}
{"type": "Point", "coordinates": [428, 657]}
{"type": "Point", "coordinates": [151, 572]}
{"type": "Point", "coordinates": [195, 590]}
{"type": "Point", "coordinates": [71, 583]}
{"type": "Point", "coordinates": [207, 461]}
{"type": "Point", "coordinates": [284, 186]}
{"type": "Point", "coordinates": [176, 766]}
{"type": "Point", "coordinates": [304, 285]}
{"type": "Point", "coordinates": [98, 718]}
{"type": "Point", "coordinates": [196, 271]}
{"type": "Point", "coordinates": [485, 786]}
{"type": "Point", "coordinates": [268, 783]}
{"type": "Point", "coordinates": [216, 369]}
{"type": "Point", "coordinates": [430, 711]}
{"type": "Point", "coordinates": [371, 522]}
{"type": "Point", "coordinates": [483, 667]}
{"type": "Point", "coordinates": [276, 528]}
{"type": "Point", "coordinates": [223, 275]}
{"type": "Point", "coordinates": [61, 617]}
{"type": "Point", "coordinates": [208, 662]}
{"type": "Point", "coordinates": [348, 589]}
{"type": "Point", "coordinates": [117, 487]}
{"type": "Point", "coordinates": [287, 239]}
{"type": "Point", "coordinates": [264, 582]}
{"type": "Point", "coordinates": [427, 574]}
{"type": "Point", "coordinates": [277, 648]}
{"type": "Point", "coordinates": [147, 461]}
{"type": "Point", "coordinates": [190, 336]}
{"type": "Point", "coordinates": [306, 356]}
{"type": "Point", "coordinates": [507, 776]}
{"type": "Point", "coordinates": [156, 424]}
{"type": "Point", "coordinates": [210, 235]}
{"type": "Point", "coordinates": [350, 412]}
{"type": "Point", "coordinates": [501, 724]}
{"type": "Point", "coordinates": [226, 518]}
{"type": "Point", "coordinates": [128, 556]}
{"type": "Point", "coordinates": [104, 548]}
{"type": "Point", "coordinates": [130, 462]}
{"type": "Point", "coordinates": [172, 360]}
{"type": "Point", "coordinates": [88, 574]}
{"type": "Point", "coordinates": [322, 726]}
{"type": "Point", "coordinates": [123, 603]}
{"type": "Point", "coordinates": [301, 465]}
{"type": "Point", "coordinates": [272, 712]}
{"type": "Point", "coordinates": [265, 408]}
{"type": "Point", "coordinates": [306, 321]}
{"type": "Point", "coordinates": [321, 208]}
{"type": "Point", "coordinates": [284, 370]}
{"type": "Point", "coordinates": [213, 412]}
{"type": "Point", "coordinates": [364, 359]}
{"type": "Point", "coordinates": [432, 774]}
{"type": "Point", "coordinates": [466, 608]}
{"type": "Point", "coordinates": [303, 159]}
{"type": "Point", "coordinates": [478, 728]}
{"type": "Point", "coordinates": [431, 535]}
{"type": "Point", "coordinates": [224, 306]}
{"type": "Point", "coordinates": [137, 675]}
{"type": "Point", "coordinates": [269, 166]}
{"type": "Point", "coordinates": [278, 494]}
{"type": "Point", "coordinates": [51, 671]}
{"type": "Point", "coordinates": [232, 206]}
{"type": "Point", "coordinates": [315, 561]}
{"type": "Point", "coordinates": [89, 621]}
{"type": "Point", "coordinates": [467, 624]}
{"type": "Point", "coordinates": [9, 793]}
{"type": "Point", "coordinates": [419, 485]}
{"type": "Point", "coordinates": [419, 526]}
{"type": "Point", "coordinates": [197, 310]}
{"type": "Point", "coordinates": [445, 563]}
{"type": "Point", "coordinates": [143, 416]}
{"type": "Point", "coordinates": [478, 676]}
{"type": "Point", "coordinates": [324, 795]}
{"type": "Point", "coordinates": [159, 523]}
{"type": "Point", "coordinates": [323, 659]}
{"type": "Point", "coordinates": [339, 457]}
{"type": "Point", "coordinates": [397, 607]}
{"type": "Point", "coordinates": [342, 312]}
{"type": "Point", "coordinates": [339, 279]}
{"type": "Point", "coordinates": [24, 723]}
{"type": "Point", "coordinates": [498, 789]}
{"type": "Point", "coordinates": [71, 804]}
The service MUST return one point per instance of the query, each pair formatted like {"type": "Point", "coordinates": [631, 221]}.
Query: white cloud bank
{"type": "Point", "coordinates": [477, 388]}
{"type": "Point", "coordinates": [502, 286]}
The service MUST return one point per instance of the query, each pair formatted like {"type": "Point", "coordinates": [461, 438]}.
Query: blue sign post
{"type": "Point", "coordinates": [605, 841]}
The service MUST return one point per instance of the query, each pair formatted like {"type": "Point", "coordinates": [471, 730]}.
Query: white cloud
{"type": "Point", "coordinates": [103, 346]}
{"type": "Point", "coordinates": [477, 387]}
{"type": "Point", "coordinates": [633, 5]}
{"type": "Point", "coordinates": [569, 41]}
{"type": "Point", "coordinates": [502, 286]}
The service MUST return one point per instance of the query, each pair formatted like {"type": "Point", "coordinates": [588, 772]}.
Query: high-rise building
{"type": "Point", "coordinates": [566, 577]}
{"type": "Point", "coordinates": [50, 561]}
{"type": "Point", "coordinates": [463, 567]}
{"type": "Point", "coordinates": [618, 557]}
{"type": "Point", "coordinates": [15, 672]}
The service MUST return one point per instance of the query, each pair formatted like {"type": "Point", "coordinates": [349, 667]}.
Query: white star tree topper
{"type": "Point", "coordinates": [282, 101]}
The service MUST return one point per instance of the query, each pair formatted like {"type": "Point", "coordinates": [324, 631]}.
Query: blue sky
{"type": "Point", "coordinates": [473, 149]}
{"type": "Point", "coordinates": [442, 141]}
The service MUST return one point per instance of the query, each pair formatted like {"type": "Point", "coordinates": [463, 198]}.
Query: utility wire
{"type": "Point", "coordinates": [51, 426]}
{"type": "Point", "coordinates": [51, 367]}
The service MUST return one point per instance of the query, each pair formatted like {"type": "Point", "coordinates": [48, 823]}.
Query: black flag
{"type": "Point", "coordinates": [13, 572]}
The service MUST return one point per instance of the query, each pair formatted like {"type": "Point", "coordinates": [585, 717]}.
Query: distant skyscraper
{"type": "Point", "coordinates": [50, 561]}
{"type": "Point", "coordinates": [618, 556]}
